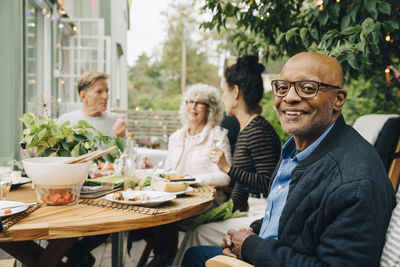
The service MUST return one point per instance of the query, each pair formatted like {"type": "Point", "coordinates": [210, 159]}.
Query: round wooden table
{"type": "Point", "coordinates": [61, 225]}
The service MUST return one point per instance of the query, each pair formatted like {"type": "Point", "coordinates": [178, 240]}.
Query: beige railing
{"type": "Point", "coordinates": [152, 124]}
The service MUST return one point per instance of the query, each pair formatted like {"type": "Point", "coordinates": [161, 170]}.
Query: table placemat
{"type": "Point", "coordinates": [13, 219]}
{"type": "Point", "coordinates": [199, 195]}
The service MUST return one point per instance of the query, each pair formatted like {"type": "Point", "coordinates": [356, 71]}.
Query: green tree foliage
{"type": "Point", "coordinates": [355, 32]}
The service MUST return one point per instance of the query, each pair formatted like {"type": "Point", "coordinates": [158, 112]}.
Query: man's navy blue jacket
{"type": "Point", "coordinates": [337, 211]}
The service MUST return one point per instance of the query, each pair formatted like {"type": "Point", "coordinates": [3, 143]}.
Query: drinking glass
{"type": "Point", "coordinates": [219, 135]}
{"type": "Point", "coordinates": [6, 166]}
{"type": "Point", "coordinates": [5, 188]}
{"type": "Point", "coordinates": [218, 138]}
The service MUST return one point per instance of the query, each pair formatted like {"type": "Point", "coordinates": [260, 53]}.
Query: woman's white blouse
{"type": "Point", "coordinates": [190, 155]}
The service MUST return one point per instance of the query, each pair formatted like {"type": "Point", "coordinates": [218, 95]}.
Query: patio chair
{"type": "Point", "coordinates": [383, 132]}
{"type": "Point", "coordinates": [8, 263]}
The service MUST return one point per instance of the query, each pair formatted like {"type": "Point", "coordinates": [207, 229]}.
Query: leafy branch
{"type": "Point", "coordinates": [45, 137]}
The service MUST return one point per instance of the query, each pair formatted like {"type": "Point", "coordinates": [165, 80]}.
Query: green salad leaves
{"type": "Point", "coordinates": [220, 213]}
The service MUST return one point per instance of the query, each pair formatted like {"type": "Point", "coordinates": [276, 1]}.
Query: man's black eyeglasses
{"type": "Point", "coordinates": [303, 88]}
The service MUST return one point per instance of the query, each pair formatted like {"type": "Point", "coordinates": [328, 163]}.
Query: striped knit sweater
{"type": "Point", "coordinates": [257, 151]}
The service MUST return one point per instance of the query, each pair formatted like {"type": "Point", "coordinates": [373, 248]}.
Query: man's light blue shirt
{"type": "Point", "coordinates": [280, 186]}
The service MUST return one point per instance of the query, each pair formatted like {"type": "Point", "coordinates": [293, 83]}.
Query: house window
{"type": "Point", "coordinates": [38, 56]}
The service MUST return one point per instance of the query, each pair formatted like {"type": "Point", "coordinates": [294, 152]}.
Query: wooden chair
{"type": "Point", "coordinates": [394, 176]}
{"type": "Point", "coordinates": [383, 132]}
{"type": "Point", "coordinates": [8, 263]}
{"type": "Point", "coordinates": [225, 261]}
{"type": "Point", "coordinates": [394, 171]}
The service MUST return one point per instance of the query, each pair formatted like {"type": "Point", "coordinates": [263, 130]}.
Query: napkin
{"type": "Point", "coordinates": [117, 179]}
{"type": "Point", "coordinates": [220, 213]}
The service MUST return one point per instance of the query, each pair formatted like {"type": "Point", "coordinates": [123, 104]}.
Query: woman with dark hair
{"type": "Point", "coordinates": [256, 153]}
{"type": "Point", "coordinates": [258, 146]}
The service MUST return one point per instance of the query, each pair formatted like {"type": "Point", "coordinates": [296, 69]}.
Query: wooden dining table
{"type": "Point", "coordinates": [62, 225]}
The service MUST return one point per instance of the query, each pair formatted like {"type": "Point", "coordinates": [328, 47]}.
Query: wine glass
{"type": "Point", "coordinates": [6, 166]}
{"type": "Point", "coordinates": [218, 138]}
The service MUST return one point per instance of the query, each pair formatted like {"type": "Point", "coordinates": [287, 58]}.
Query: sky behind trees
{"type": "Point", "coordinates": [147, 27]}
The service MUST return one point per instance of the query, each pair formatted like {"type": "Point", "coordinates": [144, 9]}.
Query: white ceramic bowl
{"type": "Point", "coordinates": [51, 171]}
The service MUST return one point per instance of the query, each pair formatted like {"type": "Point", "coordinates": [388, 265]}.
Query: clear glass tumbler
{"type": "Point", "coordinates": [6, 166]}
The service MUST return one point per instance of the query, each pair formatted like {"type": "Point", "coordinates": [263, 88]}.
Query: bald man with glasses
{"type": "Point", "coordinates": [330, 199]}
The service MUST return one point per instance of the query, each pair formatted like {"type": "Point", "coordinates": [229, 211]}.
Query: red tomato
{"type": "Point", "coordinates": [100, 165]}
{"type": "Point", "coordinates": [109, 167]}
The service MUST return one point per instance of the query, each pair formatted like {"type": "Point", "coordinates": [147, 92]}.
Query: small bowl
{"type": "Point", "coordinates": [58, 195]}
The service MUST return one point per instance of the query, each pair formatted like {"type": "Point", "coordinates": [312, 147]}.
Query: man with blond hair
{"type": "Point", "coordinates": [93, 91]}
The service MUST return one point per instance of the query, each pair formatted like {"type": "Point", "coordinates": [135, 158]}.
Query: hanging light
{"type": "Point", "coordinates": [387, 38]}
{"type": "Point", "coordinates": [75, 29]}
{"type": "Point", "coordinates": [387, 76]}
{"type": "Point", "coordinates": [44, 11]}
{"type": "Point", "coordinates": [320, 4]}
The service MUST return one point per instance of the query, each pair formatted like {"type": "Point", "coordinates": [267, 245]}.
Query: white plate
{"type": "Point", "coordinates": [188, 190]}
{"type": "Point", "coordinates": [5, 204]}
{"type": "Point", "coordinates": [156, 198]}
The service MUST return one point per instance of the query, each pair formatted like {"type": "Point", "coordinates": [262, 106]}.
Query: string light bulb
{"type": "Point", "coordinates": [75, 29]}
{"type": "Point", "coordinates": [320, 4]}
{"type": "Point", "coordinates": [44, 11]}
{"type": "Point", "coordinates": [387, 76]}
{"type": "Point", "coordinates": [387, 38]}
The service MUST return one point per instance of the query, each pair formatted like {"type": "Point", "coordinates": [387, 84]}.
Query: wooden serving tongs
{"type": "Point", "coordinates": [91, 155]}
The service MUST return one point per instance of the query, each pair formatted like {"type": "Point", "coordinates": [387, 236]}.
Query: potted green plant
{"type": "Point", "coordinates": [43, 136]}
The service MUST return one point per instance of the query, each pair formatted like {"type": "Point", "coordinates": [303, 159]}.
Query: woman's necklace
{"type": "Point", "coordinates": [248, 121]}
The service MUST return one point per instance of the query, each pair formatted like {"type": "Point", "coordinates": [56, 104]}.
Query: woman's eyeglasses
{"type": "Point", "coordinates": [196, 103]}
